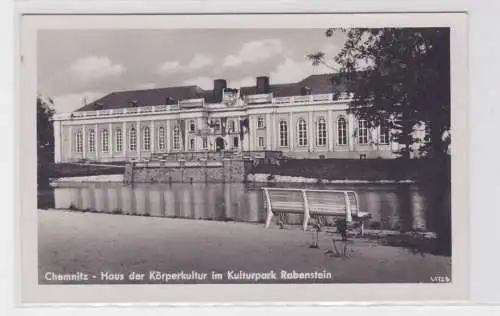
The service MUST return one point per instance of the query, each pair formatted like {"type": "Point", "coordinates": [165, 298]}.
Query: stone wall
{"type": "Point", "coordinates": [203, 171]}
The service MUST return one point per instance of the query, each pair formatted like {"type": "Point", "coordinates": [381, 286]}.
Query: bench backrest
{"type": "Point", "coordinates": [337, 203]}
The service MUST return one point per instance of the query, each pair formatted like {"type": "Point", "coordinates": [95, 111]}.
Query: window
{"type": "Point", "coordinates": [283, 134]}
{"type": "Point", "coordinates": [321, 132]}
{"type": "Point", "coordinates": [427, 131]}
{"type": "Point", "coordinates": [302, 133]}
{"type": "Point", "coordinates": [118, 140]}
{"type": "Point", "coordinates": [79, 141]}
{"type": "Point", "coordinates": [192, 126]}
{"type": "Point", "coordinates": [161, 138]}
{"type": "Point", "coordinates": [261, 141]}
{"type": "Point", "coordinates": [362, 132]}
{"type": "Point", "coordinates": [146, 138]}
{"type": "Point", "coordinates": [232, 126]}
{"type": "Point", "coordinates": [341, 131]}
{"type": "Point", "coordinates": [384, 134]}
{"type": "Point", "coordinates": [91, 141]}
{"type": "Point", "coordinates": [217, 126]}
{"type": "Point", "coordinates": [132, 144]}
{"type": "Point", "coordinates": [177, 140]}
{"type": "Point", "coordinates": [105, 140]}
{"type": "Point", "coordinates": [205, 142]}
{"type": "Point", "coordinates": [235, 142]}
{"type": "Point", "coordinates": [260, 122]}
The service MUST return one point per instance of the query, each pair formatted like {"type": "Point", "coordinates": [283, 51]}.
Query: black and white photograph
{"type": "Point", "coordinates": [245, 155]}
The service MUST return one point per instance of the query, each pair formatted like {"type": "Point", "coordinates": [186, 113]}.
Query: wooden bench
{"type": "Point", "coordinates": [339, 205]}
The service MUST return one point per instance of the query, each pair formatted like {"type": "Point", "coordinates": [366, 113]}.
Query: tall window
{"type": "Point", "coordinates": [118, 140]}
{"type": "Point", "coordinates": [302, 132]}
{"type": "Point", "coordinates": [132, 143]}
{"type": "Point", "coordinates": [232, 126]}
{"type": "Point", "coordinates": [192, 126]}
{"type": "Point", "coordinates": [384, 134]}
{"type": "Point", "coordinates": [217, 126]}
{"type": "Point", "coordinates": [105, 140]}
{"type": "Point", "coordinates": [321, 132]}
{"type": "Point", "coordinates": [161, 138]}
{"type": "Point", "coordinates": [79, 141]}
{"type": "Point", "coordinates": [260, 122]}
{"type": "Point", "coordinates": [283, 134]}
{"type": "Point", "coordinates": [363, 132]}
{"type": "Point", "coordinates": [427, 131]}
{"type": "Point", "coordinates": [192, 144]}
{"type": "Point", "coordinates": [146, 137]}
{"type": "Point", "coordinates": [235, 142]}
{"type": "Point", "coordinates": [261, 142]}
{"type": "Point", "coordinates": [205, 142]}
{"type": "Point", "coordinates": [91, 141]}
{"type": "Point", "coordinates": [177, 139]}
{"type": "Point", "coordinates": [341, 131]}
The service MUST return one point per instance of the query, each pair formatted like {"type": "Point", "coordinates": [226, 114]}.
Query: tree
{"type": "Point", "coordinates": [45, 138]}
{"type": "Point", "coordinates": [400, 76]}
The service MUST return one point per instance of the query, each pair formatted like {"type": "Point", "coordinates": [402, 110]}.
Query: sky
{"type": "Point", "coordinates": [77, 64]}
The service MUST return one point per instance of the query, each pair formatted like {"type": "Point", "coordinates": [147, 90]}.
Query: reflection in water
{"type": "Point", "coordinates": [391, 206]}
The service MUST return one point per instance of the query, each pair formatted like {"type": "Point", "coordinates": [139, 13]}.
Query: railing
{"type": "Point", "coordinates": [259, 98]}
{"type": "Point", "coordinates": [190, 103]}
{"type": "Point", "coordinates": [194, 103]}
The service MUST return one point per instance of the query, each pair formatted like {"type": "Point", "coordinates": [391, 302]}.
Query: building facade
{"type": "Point", "coordinates": [302, 120]}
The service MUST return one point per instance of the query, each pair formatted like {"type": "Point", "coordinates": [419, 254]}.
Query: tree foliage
{"type": "Point", "coordinates": [45, 138]}
{"type": "Point", "coordinates": [400, 76]}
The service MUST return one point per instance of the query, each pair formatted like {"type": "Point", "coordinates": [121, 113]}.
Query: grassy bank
{"type": "Point", "coordinates": [61, 170]}
{"type": "Point", "coordinates": [357, 169]}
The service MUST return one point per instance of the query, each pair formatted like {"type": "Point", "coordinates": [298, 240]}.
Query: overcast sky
{"type": "Point", "coordinates": [76, 64]}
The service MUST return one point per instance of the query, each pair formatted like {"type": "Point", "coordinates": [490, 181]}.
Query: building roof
{"type": "Point", "coordinates": [314, 84]}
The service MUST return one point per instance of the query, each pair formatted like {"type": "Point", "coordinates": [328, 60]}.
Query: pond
{"type": "Point", "coordinates": [395, 206]}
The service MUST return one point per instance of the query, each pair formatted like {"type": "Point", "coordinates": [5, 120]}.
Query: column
{"type": "Point", "coordinates": [311, 130]}
{"type": "Point", "coordinates": [291, 134]}
{"type": "Point", "coordinates": [185, 140]}
{"type": "Point", "coordinates": [168, 135]}
{"type": "Point", "coordinates": [268, 132]}
{"type": "Point", "coordinates": [124, 140]}
{"type": "Point", "coordinates": [274, 133]}
{"type": "Point", "coordinates": [84, 141]}
{"type": "Point", "coordinates": [110, 140]}
{"type": "Point", "coordinates": [97, 142]}
{"type": "Point", "coordinates": [350, 136]}
{"type": "Point", "coordinates": [199, 140]}
{"type": "Point", "coordinates": [139, 139]}
{"type": "Point", "coordinates": [251, 133]}
{"type": "Point", "coordinates": [331, 137]}
{"type": "Point", "coordinates": [58, 143]}
{"type": "Point", "coordinates": [153, 139]}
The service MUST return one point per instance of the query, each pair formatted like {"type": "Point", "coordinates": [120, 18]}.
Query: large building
{"type": "Point", "coordinates": [306, 119]}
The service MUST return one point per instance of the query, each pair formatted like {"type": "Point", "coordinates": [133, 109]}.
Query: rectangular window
{"type": "Point", "coordinates": [161, 138]}
{"type": "Point", "coordinates": [176, 138]}
{"type": "Point", "coordinates": [192, 144]}
{"type": "Point", "coordinates": [205, 142]}
{"type": "Point", "coordinates": [118, 140]}
{"type": "Point", "coordinates": [79, 141]}
{"type": "Point", "coordinates": [192, 126]}
{"type": "Point", "coordinates": [232, 126]}
{"type": "Point", "coordinates": [235, 142]}
{"type": "Point", "coordinates": [217, 126]}
{"type": "Point", "coordinates": [384, 135]}
{"type": "Point", "coordinates": [260, 122]}
{"type": "Point", "coordinates": [261, 142]}
{"type": "Point", "coordinates": [363, 132]}
{"type": "Point", "coordinates": [105, 140]}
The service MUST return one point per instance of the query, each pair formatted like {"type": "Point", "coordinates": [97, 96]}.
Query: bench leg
{"type": "Point", "coordinates": [269, 217]}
